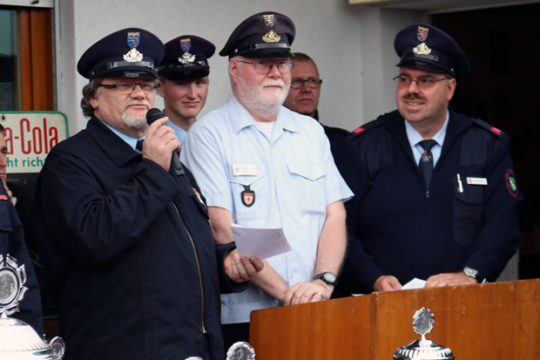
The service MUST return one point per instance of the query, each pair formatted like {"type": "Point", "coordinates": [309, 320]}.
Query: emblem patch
{"type": "Point", "coordinates": [422, 33]}
{"type": "Point", "coordinates": [269, 20]}
{"type": "Point", "coordinates": [185, 45]}
{"type": "Point", "coordinates": [511, 184]}
{"type": "Point", "coordinates": [248, 196]}
{"type": "Point", "coordinates": [133, 40]}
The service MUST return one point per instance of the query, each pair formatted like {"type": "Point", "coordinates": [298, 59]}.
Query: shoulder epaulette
{"type": "Point", "coordinates": [363, 128]}
{"type": "Point", "coordinates": [492, 129]}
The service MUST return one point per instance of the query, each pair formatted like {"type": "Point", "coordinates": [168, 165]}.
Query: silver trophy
{"type": "Point", "coordinates": [241, 350]}
{"type": "Point", "coordinates": [423, 348]}
{"type": "Point", "coordinates": [18, 340]}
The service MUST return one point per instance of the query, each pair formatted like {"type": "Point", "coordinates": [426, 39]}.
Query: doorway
{"type": "Point", "coordinates": [503, 88]}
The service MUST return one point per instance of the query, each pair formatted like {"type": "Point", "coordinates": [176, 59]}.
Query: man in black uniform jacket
{"type": "Point", "coordinates": [134, 266]}
{"type": "Point", "coordinates": [445, 209]}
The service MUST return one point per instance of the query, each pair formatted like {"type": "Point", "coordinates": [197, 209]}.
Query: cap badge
{"type": "Point", "coordinates": [269, 20]}
{"type": "Point", "coordinates": [422, 33]}
{"type": "Point", "coordinates": [422, 49]}
{"type": "Point", "coordinates": [271, 37]}
{"type": "Point", "coordinates": [185, 45]}
{"type": "Point", "coordinates": [133, 40]}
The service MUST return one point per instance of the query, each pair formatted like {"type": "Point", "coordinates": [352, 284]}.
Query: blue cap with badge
{"type": "Point", "coordinates": [130, 52]}
{"type": "Point", "coordinates": [186, 58]}
{"type": "Point", "coordinates": [429, 48]}
{"type": "Point", "coordinates": [267, 34]}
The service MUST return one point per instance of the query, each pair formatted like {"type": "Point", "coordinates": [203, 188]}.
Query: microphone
{"type": "Point", "coordinates": [153, 115]}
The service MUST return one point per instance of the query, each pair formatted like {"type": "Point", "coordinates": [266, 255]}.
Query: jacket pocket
{"type": "Point", "coordinates": [468, 211]}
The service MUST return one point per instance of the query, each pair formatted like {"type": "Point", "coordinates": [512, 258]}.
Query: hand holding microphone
{"type": "Point", "coordinates": [161, 144]}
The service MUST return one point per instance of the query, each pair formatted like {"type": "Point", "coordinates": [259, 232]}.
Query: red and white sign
{"type": "Point", "coordinates": [30, 136]}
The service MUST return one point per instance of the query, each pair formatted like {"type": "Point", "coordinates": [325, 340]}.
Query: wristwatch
{"type": "Point", "coordinates": [470, 272]}
{"type": "Point", "coordinates": [327, 277]}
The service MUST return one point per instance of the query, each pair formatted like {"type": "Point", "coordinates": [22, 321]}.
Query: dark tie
{"type": "Point", "coordinates": [138, 147]}
{"type": "Point", "coordinates": [426, 162]}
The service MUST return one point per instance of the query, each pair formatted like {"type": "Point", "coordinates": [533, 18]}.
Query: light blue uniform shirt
{"type": "Point", "coordinates": [292, 174]}
{"type": "Point", "coordinates": [415, 137]}
{"type": "Point", "coordinates": [180, 133]}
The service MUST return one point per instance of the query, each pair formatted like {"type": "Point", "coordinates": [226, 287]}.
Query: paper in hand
{"type": "Point", "coordinates": [261, 242]}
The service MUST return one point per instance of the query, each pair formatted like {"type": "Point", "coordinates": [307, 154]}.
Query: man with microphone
{"type": "Point", "coordinates": [125, 236]}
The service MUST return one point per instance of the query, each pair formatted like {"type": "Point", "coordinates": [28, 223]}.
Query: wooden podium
{"type": "Point", "coordinates": [478, 322]}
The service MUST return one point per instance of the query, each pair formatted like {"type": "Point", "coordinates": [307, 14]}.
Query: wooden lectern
{"type": "Point", "coordinates": [478, 322]}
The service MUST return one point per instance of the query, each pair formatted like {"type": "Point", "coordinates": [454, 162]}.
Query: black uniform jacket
{"type": "Point", "coordinates": [130, 253]}
{"type": "Point", "coordinates": [394, 229]}
{"type": "Point", "coordinates": [12, 243]}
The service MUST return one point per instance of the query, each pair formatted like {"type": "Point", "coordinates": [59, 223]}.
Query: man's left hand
{"type": "Point", "coordinates": [305, 292]}
{"type": "Point", "coordinates": [241, 268]}
{"type": "Point", "coordinates": [449, 279]}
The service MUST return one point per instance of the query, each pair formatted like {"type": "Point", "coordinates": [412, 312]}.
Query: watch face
{"type": "Point", "coordinates": [470, 272]}
{"type": "Point", "coordinates": [329, 278]}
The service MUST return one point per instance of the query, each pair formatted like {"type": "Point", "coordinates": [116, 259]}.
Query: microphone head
{"type": "Point", "coordinates": [153, 115]}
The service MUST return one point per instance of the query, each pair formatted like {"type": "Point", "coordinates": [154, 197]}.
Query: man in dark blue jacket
{"type": "Point", "coordinates": [435, 192]}
{"type": "Point", "coordinates": [128, 244]}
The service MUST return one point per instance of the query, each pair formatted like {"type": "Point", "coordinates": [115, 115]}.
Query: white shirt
{"type": "Point", "coordinates": [292, 174]}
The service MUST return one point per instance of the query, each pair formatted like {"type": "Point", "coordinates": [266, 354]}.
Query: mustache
{"type": "Point", "coordinates": [413, 97]}
{"type": "Point", "coordinates": [138, 102]}
{"type": "Point", "coordinates": [274, 83]}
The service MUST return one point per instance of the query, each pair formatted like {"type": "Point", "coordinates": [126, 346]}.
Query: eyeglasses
{"type": "Point", "coordinates": [313, 83]}
{"type": "Point", "coordinates": [423, 82]}
{"type": "Point", "coordinates": [265, 66]}
{"type": "Point", "coordinates": [126, 88]}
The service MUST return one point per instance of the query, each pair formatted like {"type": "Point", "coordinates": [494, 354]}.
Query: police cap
{"type": "Point", "coordinates": [186, 58]}
{"type": "Point", "coordinates": [130, 52]}
{"type": "Point", "coordinates": [267, 34]}
{"type": "Point", "coordinates": [429, 48]}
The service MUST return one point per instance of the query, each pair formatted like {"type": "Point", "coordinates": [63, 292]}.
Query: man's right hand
{"type": "Point", "coordinates": [386, 283]}
{"type": "Point", "coordinates": [159, 143]}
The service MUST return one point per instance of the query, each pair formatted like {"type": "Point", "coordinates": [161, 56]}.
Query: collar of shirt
{"type": "Point", "coordinates": [131, 141]}
{"type": "Point", "coordinates": [242, 118]}
{"type": "Point", "coordinates": [180, 133]}
{"type": "Point", "coordinates": [415, 137]}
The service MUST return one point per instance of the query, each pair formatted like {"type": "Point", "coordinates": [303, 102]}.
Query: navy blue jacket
{"type": "Point", "coordinates": [130, 253]}
{"type": "Point", "coordinates": [12, 243]}
{"type": "Point", "coordinates": [395, 230]}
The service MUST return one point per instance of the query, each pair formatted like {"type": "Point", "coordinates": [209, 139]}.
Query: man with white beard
{"type": "Point", "coordinates": [262, 165]}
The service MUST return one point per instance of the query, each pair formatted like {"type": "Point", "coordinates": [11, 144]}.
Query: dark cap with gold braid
{"type": "Point", "coordinates": [264, 35]}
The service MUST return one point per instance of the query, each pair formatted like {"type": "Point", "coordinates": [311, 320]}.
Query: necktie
{"type": "Point", "coordinates": [426, 162]}
{"type": "Point", "coordinates": [138, 147]}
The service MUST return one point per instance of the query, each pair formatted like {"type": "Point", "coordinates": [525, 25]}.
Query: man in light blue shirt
{"type": "Point", "coordinates": [261, 165]}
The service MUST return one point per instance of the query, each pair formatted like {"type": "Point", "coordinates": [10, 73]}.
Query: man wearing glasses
{"type": "Point", "coordinates": [304, 95]}
{"type": "Point", "coordinates": [262, 165]}
{"type": "Point", "coordinates": [126, 241]}
{"type": "Point", "coordinates": [436, 195]}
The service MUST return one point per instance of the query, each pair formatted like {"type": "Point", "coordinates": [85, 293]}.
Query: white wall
{"type": "Point", "coordinates": [352, 45]}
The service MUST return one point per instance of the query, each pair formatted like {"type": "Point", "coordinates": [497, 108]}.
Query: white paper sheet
{"type": "Point", "coordinates": [260, 242]}
{"type": "Point", "coordinates": [414, 284]}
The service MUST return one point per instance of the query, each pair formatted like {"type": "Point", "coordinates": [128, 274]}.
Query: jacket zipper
{"type": "Point", "coordinates": [198, 266]}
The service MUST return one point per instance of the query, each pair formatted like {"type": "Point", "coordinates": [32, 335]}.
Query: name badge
{"type": "Point", "coordinates": [244, 170]}
{"type": "Point", "coordinates": [476, 181]}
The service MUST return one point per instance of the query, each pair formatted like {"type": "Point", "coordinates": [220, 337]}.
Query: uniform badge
{"type": "Point", "coordinates": [269, 20]}
{"type": "Point", "coordinates": [185, 45]}
{"type": "Point", "coordinates": [3, 197]}
{"type": "Point", "coordinates": [133, 40]}
{"type": "Point", "coordinates": [422, 33]}
{"type": "Point", "coordinates": [248, 196]}
{"type": "Point", "coordinates": [422, 49]}
{"type": "Point", "coordinates": [271, 37]}
{"type": "Point", "coordinates": [511, 184]}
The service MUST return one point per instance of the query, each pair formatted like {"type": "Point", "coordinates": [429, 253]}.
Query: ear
{"type": "Point", "coordinates": [94, 102]}
{"type": "Point", "coordinates": [160, 90]}
{"type": "Point", "coordinates": [452, 83]}
{"type": "Point", "coordinates": [233, 69]}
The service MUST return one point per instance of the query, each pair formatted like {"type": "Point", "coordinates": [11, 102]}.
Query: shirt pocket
{"type": "Point", "coordinates": [468, 211]}
{"type": "Point", "coordinates": [249, 193]}
{"type": "Point", "coordinates": [308, 185]}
